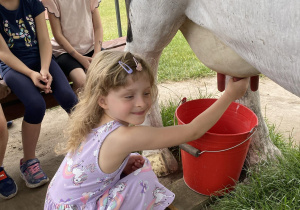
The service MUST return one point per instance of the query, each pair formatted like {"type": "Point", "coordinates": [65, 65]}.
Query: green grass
{"type": "Point", "coordinates": [177, 63]}
{"type": "Point", "coordinates": [109, 20]}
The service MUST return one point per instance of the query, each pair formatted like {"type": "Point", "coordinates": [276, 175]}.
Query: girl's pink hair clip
{"type": "Point", "coordinates": [138, 64]}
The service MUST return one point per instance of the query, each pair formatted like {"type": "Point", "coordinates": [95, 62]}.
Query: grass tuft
{"type": "Point", "coordinates": [178, 62]}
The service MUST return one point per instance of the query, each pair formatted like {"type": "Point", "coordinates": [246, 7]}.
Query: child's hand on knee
{"type": "Point", "coordinates": [85, 61]}
{"type": "Point", "coordinates": [47, 79]}
{"type": "Point", "coordinates": [134, 162]}
{"type": "Point", "coordinates": [4, 91]}
{"type": "Point", "coordinates": [38, 80]}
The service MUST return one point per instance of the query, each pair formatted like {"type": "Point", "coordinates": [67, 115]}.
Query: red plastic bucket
{"type": "Point", "coordinates": [222, 149]}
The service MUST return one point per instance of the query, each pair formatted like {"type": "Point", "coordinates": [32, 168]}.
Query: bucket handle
{"type": "Point", "coordinates": [196, 152]}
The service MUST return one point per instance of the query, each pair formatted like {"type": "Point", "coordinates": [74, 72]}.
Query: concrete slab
{"type": "Point", "coordinates": [187, 199]}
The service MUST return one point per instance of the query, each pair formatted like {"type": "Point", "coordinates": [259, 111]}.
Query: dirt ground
{"type": "Point", "coordinates": [279, 106]}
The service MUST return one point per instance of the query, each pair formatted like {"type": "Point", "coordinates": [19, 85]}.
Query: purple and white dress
{"type": "Point", "coordinates": [79, 182]}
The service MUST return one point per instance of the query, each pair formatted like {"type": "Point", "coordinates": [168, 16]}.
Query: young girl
{"type": "Point", "coordinates": [26, 67]}
{"type": "Point", "coordinates": [100, 171]}
{"type": "Point", "coordinates": [78, 35]}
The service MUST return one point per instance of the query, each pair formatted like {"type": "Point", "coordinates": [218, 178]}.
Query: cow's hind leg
{"type": "Point", "coordinates": [261, 146]}
{"type": "Point", "coordinates": [151, 27]}
{"type": "Point", "coordinates": [163, 162]}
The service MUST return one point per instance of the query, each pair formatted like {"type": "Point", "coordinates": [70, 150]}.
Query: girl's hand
{"type": "Point", "coordinates": [235, 88]}
{"type": "Point", "coordinates": [134, 162]}
{"type": "Point", "coordinates": [38, 80]}
{"type": "Point", "coordinates": [85, 61]}
{"type": "Point", "coordinates": [47, 79]}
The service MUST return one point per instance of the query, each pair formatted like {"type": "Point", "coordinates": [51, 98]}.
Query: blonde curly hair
{"type": "Point", "coordinates": [104, 74]}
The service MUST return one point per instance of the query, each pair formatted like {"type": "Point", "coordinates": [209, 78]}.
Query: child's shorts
{"type": "Point", "coordinates": [67, 63]}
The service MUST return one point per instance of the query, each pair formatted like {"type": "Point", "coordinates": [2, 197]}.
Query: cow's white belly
{"type": "Point", "coordinates": [215, 54]}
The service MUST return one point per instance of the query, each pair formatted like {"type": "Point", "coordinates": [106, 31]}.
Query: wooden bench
{"type": "Point", "coordinates": [13, 107]}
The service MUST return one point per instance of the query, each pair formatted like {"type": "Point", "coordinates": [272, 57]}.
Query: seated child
{"type": "Point", "coordinates": [27, 67]}
{"type": "Point", "coordinates": [78, 36]}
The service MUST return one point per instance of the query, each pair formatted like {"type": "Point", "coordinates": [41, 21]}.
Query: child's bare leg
{"type": "Point", "coordinates": [78, 77]}
{"type": "Point", "coordinates": [3, 135]}
{"type": "Point", "coordinates": [30, 136]}
{"type": "Point", "coordinates": [8, 187]}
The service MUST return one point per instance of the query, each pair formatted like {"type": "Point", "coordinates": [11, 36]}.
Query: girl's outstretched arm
{"type": "Point", "coordinates": [45, 48]}
{"type": "Point", "coordinates": [98, 31]}
{"type": "Point", "coordinates": [138, 138]}
{"type": "Point", "coordinates": [147, 138]}
{"type": "Point", "coordinates": [15, 63]}
{"type": "Point", "coordinates": [64, 43]}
